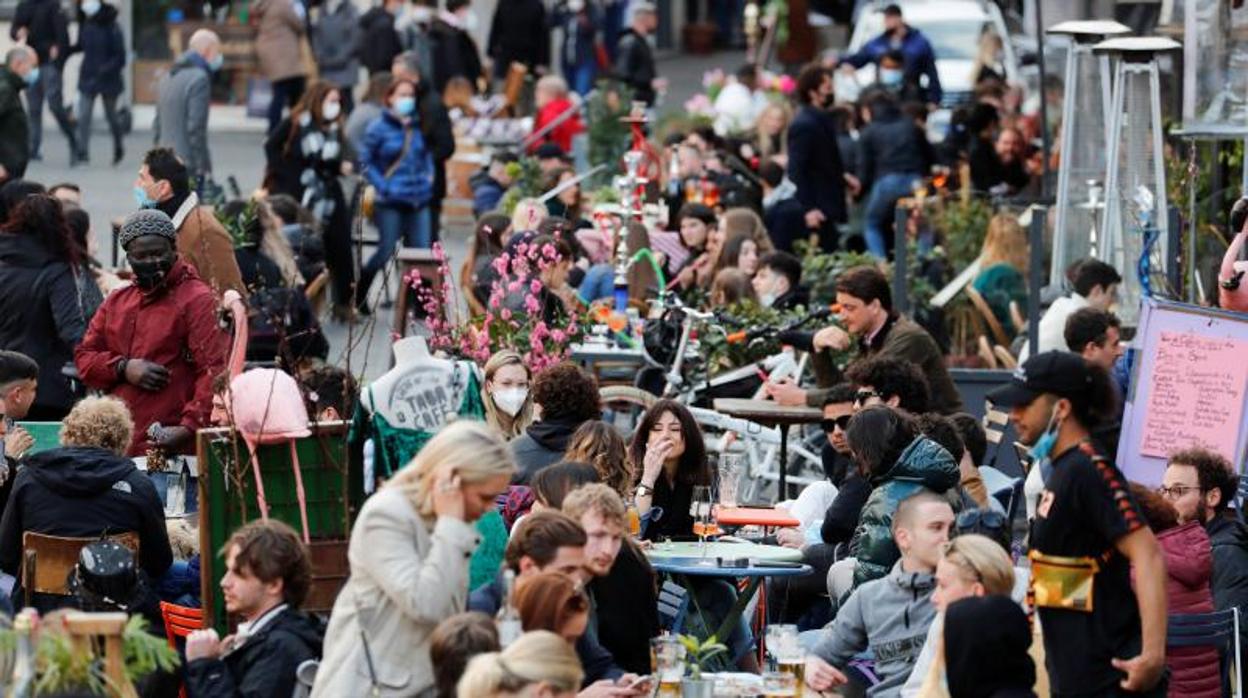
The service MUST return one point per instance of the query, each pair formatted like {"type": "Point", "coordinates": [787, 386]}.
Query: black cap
{"type": "Point", "coordinates": [549, 150]}
{"type": "Point", "coordinates": [893, 10]}
{"type": "Point", "coordinates": [1060, 373]}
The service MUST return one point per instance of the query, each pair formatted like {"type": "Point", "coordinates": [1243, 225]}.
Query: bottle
{"type": "Point", "coordinates": [508, 620]}
{"type": "Point", "coordinates": [22, 684]}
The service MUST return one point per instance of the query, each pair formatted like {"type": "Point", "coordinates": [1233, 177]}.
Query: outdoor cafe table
{"type": "Point", "coordinates": [754, 516]}
{"type": "Point", "coordinates": [769, 413]}
{"type": "Point", "coordinates": [684, 559]}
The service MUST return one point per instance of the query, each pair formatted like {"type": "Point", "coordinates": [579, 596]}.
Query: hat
{"type": "Point", "coordinates": [549, 150]}
{"type": "Point", "coordinates": [1058, 372]}
{"type": "Point", "coordinates": [637, 7]}
{"type": "Point", "coordinates": [106, 578]}
{"type": "Point", "coordinates": [148, 221]}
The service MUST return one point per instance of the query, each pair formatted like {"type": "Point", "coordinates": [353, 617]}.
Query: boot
{"type": "Point", "coordinates": [119, 152]}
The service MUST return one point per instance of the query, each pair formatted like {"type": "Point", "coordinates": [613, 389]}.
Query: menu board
{"type": "Point", "coordinates": [1189, 388]}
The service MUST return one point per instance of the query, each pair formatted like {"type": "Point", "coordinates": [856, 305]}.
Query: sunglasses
{"type": "Point", "coordinates": [841, 423]}
{"type": "Point", "coordinates": [862, 396]}
{"type": "Point", "coordinates": [980, 518]}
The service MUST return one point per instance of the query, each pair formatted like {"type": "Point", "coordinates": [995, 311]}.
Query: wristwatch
{"type": "Point", "coordinates": [644, 490]}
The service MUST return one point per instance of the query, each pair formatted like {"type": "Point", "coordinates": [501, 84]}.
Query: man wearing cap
{"type": "Point", "coordinates": [156, 344]}
{"type": "Point", "coordinates": [634, 61]}
{"type": "Point", "coordinates": [1102, 637]}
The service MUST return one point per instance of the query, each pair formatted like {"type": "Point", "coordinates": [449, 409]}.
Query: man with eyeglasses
{"type": "Point", "coordinates": [1200, 485]}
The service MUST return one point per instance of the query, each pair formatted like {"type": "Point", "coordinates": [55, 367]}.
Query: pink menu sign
{"type": "Point", "coordinates": [1197, 393]}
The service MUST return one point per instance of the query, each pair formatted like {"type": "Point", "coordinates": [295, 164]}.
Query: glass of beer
{"type": "Point", "coordinates": [787, 653]}
{"type": "Point", "coordinates": [667, 660]}
{"type": "Point", "coordinates": [779, 684]}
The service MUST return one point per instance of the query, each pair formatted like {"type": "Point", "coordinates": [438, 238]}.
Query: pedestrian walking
{"type": "Point", "coordinates": [334, 40]}
{"type": "Point", "coordinates": [519, 34]}
{"type": "Point", "coordinates": [578, 53]}
{"type": "Point", "coordinates": [20, 71]}
{"type": "Point", "coordinates": [634, 60]}
{"type": "Point", "coordinates": [103, 50]}
{"type": "Point", "coordinates": [183, 102]}
{"type": "Point", "coordinates": [814, 158]}
{"type": "Point", "coordinates": [282, 25]}
{"type": "Point", "coordinates": [455, 54]}
{"type": "Point", "coordinates": [43, 26]}
{"type": "Point", "coordinates": [378, 42]}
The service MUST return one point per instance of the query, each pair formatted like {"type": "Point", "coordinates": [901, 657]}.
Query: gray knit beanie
{"type": "Point", "coordinates": [148, 221]}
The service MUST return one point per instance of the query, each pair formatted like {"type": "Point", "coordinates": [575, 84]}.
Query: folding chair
{"type": "Point", "coordinates": [180, 621]}
{"type": "Point", "coordinates": [48, 560]}
{"type": "Point", "coordinates": [673, 605]}
{"type": "Point", "coordinates": [1219, 629]}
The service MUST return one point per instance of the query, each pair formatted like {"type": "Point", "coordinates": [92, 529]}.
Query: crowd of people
{"type": "Point", "coordinates": [508, 551]}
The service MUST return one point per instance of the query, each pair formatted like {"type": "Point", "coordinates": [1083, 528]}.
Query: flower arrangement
{"type": "Point", "coordinates": [713, 82]}
{"type": "Point", "coordinates": [700, 105]}
{"type": "Point", "coordinates": [514, 316]}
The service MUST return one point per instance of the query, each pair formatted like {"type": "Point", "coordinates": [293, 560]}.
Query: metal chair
{"type": "Point", "coordinates": [1219, 629]}
{"type": "Point", "coordinates": [673, 605]}
{"type": "Point", "coordinates": [180, 621]}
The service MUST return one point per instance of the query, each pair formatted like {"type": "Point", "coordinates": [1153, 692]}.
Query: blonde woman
{"type": "Point", "coordinates": [527, 216]}
{"type": "Point", "coordinates": [508, 408]}
{"type": "Point", "coordinates": [973, 565]}
{"type": "Point", "coordinates": [539, 664]}
{"type": "Point", "coordinates": [772, 131]}
{"type": "Point", "coordinates": [1003, 267]}
{"type": "Point", "coordinates": [409, 557]}
{"type": "Point", "coordinates": [735, 224]}
{"type": "Point", "coordinates": [599, 444]}
{"type": "Point", "coordinates": [988, 60]}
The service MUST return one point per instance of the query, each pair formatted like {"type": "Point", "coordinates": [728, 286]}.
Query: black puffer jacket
{"type": "Point", "coordinates": [42, 314]}
{"type": "Point", "coordinates": [265, 663]}
{"type": "Point", "coordinates": [84, 492]}
{"type": "Point", "coordinates": [1229, 537]}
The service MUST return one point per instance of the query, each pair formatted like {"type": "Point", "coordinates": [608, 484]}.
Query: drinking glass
{"type": "Point", "coordinates": [667, 660]}
{"type": "Point", "coordinates": [731, 465]}
{"type": "Point", "coordinates": [777, 684]}
{"type": "Point", "coordinates": [700, 510]}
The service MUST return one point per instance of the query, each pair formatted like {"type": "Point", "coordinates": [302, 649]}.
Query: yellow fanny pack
{"type": "Point", "coordinates": [1062, 582]}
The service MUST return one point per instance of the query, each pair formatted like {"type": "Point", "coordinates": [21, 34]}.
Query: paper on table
{"type": "Point", "coordinates": [1196, 396]}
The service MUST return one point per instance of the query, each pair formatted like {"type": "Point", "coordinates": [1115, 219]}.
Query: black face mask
{"type": "Point", "coordinates": [149, 274]}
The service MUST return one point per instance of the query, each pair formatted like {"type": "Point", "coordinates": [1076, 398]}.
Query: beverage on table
{"type": "Point", "coordinates": [667, 661]}
{"type": "Point", "coordinates": [778, 684]}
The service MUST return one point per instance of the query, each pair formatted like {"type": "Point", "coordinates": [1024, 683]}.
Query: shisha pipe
{"type": "Point", "coordinates": [632, 186]}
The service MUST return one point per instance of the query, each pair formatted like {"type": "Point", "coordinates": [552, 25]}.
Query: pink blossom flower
{"type": "Point", "coordinates": [531, 304]}
{"type": "Point", "coordinates": [549, 251]}
{"type": "Point", "coordinates": [505, 313]}
{"type": "Point", "coordinates": [558, 336]}
{"type": "Point", "coordinates": [500, 263]}
{"type": "Point", "coordinates": [786, 84]}
{"type": "Point", "coordinates": [496, 300]}
{"type": "Point", "coordinates": [535, 286]}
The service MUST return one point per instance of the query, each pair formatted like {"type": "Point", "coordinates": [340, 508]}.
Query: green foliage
{"type": "Point", "coordinates": [820, 269]}
{"type": "Point", "coordinates": [962, 226]}
{"type": "Point", "coordinates": [63, 669]}
{"type": "Point", "coordinates": [781, 10]}
{"type": "Point", "coordinates": [526, 182]}
{"type": "Point", "coordinates": [237, 226]}
{"type": "Point", "coordinates": [699, 652]}
{"type": "Point", "coordinates": [609, 138]}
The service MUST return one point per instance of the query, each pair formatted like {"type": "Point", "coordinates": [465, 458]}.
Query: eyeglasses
{"type": "Point", "coordinates": [841, 423]}
{"type": "Point", "coordinates": [862, 396]}
{"type": "Point", "coordinates": [1176, 491]}
{"type": "Point", "coordinates": [973, 519]}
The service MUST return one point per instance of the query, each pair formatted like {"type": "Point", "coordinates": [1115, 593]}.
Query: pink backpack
{"type": "Point", "coordinates": [268, 408]}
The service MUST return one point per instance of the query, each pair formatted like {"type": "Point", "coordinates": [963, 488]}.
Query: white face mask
{"type": "Point", "coordinates": [471, 21]}
{"type": "Point", "coordinates": [510, 400]}
{"type": "Point", "coordinates": [331, 110]}
{"type": "Point", "coordinates": [767, 299]}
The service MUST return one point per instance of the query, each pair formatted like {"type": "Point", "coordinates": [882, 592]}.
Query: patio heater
{"type": "Point", "coordinates": [1136, 211]}
{"type": "Point", "coordinates": [1085, 129]}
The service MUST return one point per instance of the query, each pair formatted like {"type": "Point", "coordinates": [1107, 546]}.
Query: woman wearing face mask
{"type": "Point", "coordinates": [397, 163]}
{"type": "Point", "coordinates": [305, 155]}
{"type": "Point", "coordinates": [508, 408]}
{"type": "Point", "coordinates": [1088, 536]}
{"type": "Point", "coordinates": [103, 50]}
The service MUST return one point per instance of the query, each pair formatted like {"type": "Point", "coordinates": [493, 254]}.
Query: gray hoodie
{"type": "Point", "coordinates": [889, 618]}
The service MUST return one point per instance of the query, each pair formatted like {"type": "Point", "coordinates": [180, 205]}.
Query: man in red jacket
{"type": "Point", "coordinates": [156, 344]}
{"type": "Point", "coordinates": [551, 99]}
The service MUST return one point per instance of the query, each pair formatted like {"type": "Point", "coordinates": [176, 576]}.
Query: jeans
{"type": "Point", "coordinates": [285, 93]}
{"type": "Point", "coordinates": [48, 86]}
{"type": "Point", "coordinates": [880, 207]}
{"type": "Point", "coordinates": [86, 104]}
{"type": "Point", "coordinates": [581, 76]}
{"type": "Point", "coordinates": [394, 223]}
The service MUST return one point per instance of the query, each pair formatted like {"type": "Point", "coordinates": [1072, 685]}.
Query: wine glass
{"type": "Point", "coordinates": [700, 510]}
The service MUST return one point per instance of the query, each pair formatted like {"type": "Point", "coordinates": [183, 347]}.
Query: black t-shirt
{"type": "Point", "coordinates": [675, 500]}
{"type": "Point", "coordinates": [1084, 510]}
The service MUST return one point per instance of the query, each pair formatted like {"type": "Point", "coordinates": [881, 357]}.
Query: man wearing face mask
{"type": "Point", "coordinates": [815, 161]}
{"type": "Point", "coordinates": [21, 69]}
{"type": "Point", "coordinates": [778, 282]}
{"type": "Point", "coordinates": [202, 241]}
{"type": "Point", "coordinates": [156, 345]}
{"type": "Point", "coordinates": [184, 98]}
{"type": "Point", "coordinates": [455, 53]}
{"type": "Point", "coordinates": [916, 51]}
{"type": "Point", "coordinates": [43, 26]}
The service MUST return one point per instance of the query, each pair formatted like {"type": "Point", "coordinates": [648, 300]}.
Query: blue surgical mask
{"type": "Point", "coordinates": [405, 106]}
{"type": "Point", "coordinates": [217, 61]}
{"type": "Point", "coordinates": [890, 77]}
{"type": "Point", "coordinates": [142, 199]}
{"type": "Point", "coordinates": [32, 78]}
{"type": "Point", "coordinates": [90, 7]}
{"type": "Point", "coordinates": [1042, 450]}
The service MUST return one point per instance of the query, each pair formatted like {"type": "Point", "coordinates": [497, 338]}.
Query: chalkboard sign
{"type": "Point", "coordinates": [1189, 388]}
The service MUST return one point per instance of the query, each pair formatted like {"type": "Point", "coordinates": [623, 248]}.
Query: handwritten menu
{"type": "Point", "coordinates": [1196, 396]}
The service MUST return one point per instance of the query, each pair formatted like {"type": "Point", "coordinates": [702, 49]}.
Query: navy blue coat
{"type": "Point", "coordinates": [411, 183]}
{"type": "Point", "coordinates": [815, 163]}
{"type": "Point", "coordinates": [103, 53]}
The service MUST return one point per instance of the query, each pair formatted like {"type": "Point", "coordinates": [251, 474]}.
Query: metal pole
{"type": "Point", "coordinates": [1044, 119]}
{"type": "Point", "coordinates": [900, 302]}
{"type": "Point", "coordinates": [1174, 243]}
{"type": "Point", "coordinates": [1189, 283]}
{"type": "Point", "coordinates": [1035, 241]}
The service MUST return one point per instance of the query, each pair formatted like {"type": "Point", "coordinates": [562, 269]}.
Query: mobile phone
{"type": "Point", "coordinates": [639, 682]}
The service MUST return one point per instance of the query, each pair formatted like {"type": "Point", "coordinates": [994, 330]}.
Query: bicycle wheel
{"type": "Point", "coordinates": [622, 405]}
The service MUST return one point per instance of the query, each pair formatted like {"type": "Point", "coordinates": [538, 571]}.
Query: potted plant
{"type": "Point", "coordinates": [697, 654]}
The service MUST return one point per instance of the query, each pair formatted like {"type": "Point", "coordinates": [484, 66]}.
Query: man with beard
{"type": "Point", "coordinates": [156, 344]}
{"type": "Point", "coordinates": [814, 159]}
{"type": "Point", "coordinates": [1200, 484]}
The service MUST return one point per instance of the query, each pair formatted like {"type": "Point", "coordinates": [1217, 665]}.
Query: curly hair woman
{"type": "Point", "coordinates": [600, 445]}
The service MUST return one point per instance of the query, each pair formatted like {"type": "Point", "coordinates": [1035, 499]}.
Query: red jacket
{"type": "Point", "coordinates": [174, 325]}
{"type": "Point", "coordinates": [1189, 566]}
{"type": "Point", "coordinates": [562, 134]}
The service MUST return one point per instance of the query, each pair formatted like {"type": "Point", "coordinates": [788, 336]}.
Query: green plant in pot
{"type": "Point", "coordinates": [697, 654]}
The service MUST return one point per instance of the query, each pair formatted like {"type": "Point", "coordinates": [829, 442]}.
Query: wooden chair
{"type": "Point", "coordinates": [180, 621]}
{"type": "Point", "coordinates": [513, 87]}
{"type": "Point", "coordinates": [48, 560]}
{"type": "Point", "coordinates": [86, 629]}
{"type": "Point", "coordinates": [985, 353]}
{"type": "Point", "coordinates": [986, 315]}
{"type": "Point", "coordinates": [1004, 357]}
{"type": "Point", "coordinates": [1017, 317]}
{"type": "Point", "coordinates": [315, 291]}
